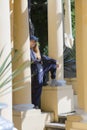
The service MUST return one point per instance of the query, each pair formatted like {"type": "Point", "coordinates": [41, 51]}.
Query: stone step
{"type": "Point", "coordinates": [32, 119]}
{"type": "Point", "coordinates": [57, 126]}
{"type": "Point", "coordinates": [63, 117]}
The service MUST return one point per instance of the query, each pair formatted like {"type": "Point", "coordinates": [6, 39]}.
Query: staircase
{"type": "Point", "coordinates": [60, 101]}
{"type": "Point", "coordinates": [34, 119]}
{"type": "Point", "coordinates": [60, 125]}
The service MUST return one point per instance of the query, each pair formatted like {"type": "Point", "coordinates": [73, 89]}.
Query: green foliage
{"type": "Point", "coordinates": [5, 71]}
{"type": "Point", "coordinates": [73, 16]}
{"type": "Point", "coordinates": [38, 1]}
{"type": "Point", "coordinates": [45, 50]}
{"type": "Point", "coordinates": [39, 19]}
{"type": "Point", "coordinates": [69, 53]}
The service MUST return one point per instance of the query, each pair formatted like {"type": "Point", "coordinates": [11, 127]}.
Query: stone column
{"type": "Point", "coordinates": [5, 42]}
{"type": "Point", "coordinates": [68, 24]}
{"type": "Point", "coordinates": [81, 46]}
{"type": "Point", "coordinates": [11, 19]}
{"type": "Point", "coordinates": [55, 33]}
{"type": "Point", "coordinates": [21, 42]}
{"type": "Point", "coordinates": [81, 52]}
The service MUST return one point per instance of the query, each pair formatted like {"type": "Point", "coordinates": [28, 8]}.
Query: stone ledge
{"type": "Point", "coordinates": [74, 117]}
{"type": "Point", "coordinates": [79, 125]}
{"type": "Point", "coordinates": [26, 113]}
{"type": "Point", "coordinates": [57, 87]}
{"type": "Point", "coordinates": [55, 125]}
{"type": "Point", "coordinates": [67, 114]}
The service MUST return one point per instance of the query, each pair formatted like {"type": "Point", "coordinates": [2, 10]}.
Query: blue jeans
{"type": "Point", "coordinates": [38, 71]}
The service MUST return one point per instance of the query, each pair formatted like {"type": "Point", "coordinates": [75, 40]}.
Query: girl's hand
{"type": "Point", "coordinates": [57, 65]}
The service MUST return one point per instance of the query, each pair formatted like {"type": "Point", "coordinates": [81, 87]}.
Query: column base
{"type": "Point", "coordinates": [57, 99]}
{"type": "Point", "coordinates": [32, 119]}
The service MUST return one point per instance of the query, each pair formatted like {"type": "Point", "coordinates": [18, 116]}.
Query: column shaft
{"type": "Point", "coordinates": [21, 42]}
{"type": "Point", "coordinates": [5, 41]}
{"type": "Point", "coordinates": [68, 25]}
{"type": "Point", "coordinates": [55, 33]}
{"type": "Point", "coordinates": [81, 51]}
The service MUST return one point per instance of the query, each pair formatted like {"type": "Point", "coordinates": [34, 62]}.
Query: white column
{"type": "Point", "coordinates": [68, 24]}
{"type": "Point", "coordinates": [12, 19]}
{"type": "Point", "coordinates": [5, 41]}
{"type": "Point", "coordinates": [55, 33]}
{"type": "Point", "coordinates": [21, 42]}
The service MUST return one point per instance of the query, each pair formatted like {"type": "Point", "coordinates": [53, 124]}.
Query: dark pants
{"type": "Point", "coordinates": [38, 71]}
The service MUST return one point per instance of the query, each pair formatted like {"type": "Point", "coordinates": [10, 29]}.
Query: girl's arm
{"type": "Point", "coordinates": [37, 51]}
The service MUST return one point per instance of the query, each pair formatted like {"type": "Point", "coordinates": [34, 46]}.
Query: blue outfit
{"type": "Point", "coordinates": [38, 71]}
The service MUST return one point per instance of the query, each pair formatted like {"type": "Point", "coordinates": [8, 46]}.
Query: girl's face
{"type": "Point", "coordinates": [32, 43]}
